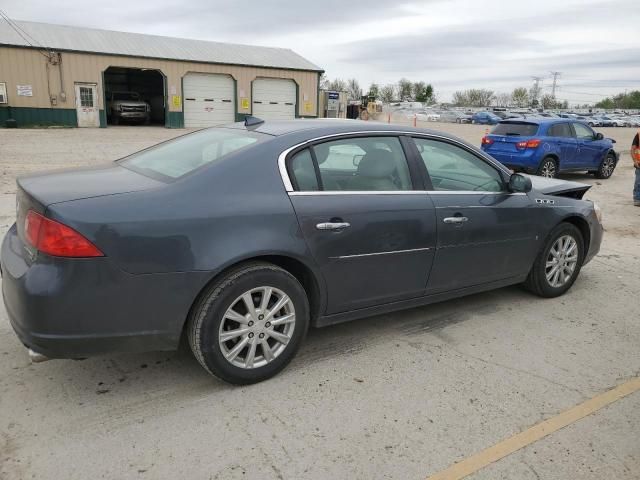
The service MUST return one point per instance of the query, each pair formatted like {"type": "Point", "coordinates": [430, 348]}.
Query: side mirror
{"type": "Point", "coordinates": [599, 136]}
{"type": "Point", "coordinates": [519, 183]}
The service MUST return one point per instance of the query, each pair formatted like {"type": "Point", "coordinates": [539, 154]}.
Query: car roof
{"type": "Point", "coordinates": [328, 126]}
{"type": "Point", "coordinates": [537, 120]}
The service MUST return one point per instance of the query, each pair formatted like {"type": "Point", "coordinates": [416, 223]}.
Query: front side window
{"type": "Point", "coordinates": [582, 131]}
{"type": "Point", "coordinates": [455, 169]}
{"type": "Point", "coordinates": [175, 158]}
{"type": "Point", "coordinates": [363, 164]}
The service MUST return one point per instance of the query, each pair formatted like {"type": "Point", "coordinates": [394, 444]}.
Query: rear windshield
{"type": "Point", "coordinates": [175, 158]}
{"type": "Point", "coordinates": [515, 129]}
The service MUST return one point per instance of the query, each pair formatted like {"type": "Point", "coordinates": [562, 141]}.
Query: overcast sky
{"type": "Point", "coordinates": [453, 44]}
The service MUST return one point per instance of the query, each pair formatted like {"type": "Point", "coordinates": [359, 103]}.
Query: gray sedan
{"type": "Point", "coordinates": [240, 238]}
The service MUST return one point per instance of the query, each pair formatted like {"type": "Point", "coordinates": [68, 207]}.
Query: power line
{"type": "Point", "coordinates": [24, 35]}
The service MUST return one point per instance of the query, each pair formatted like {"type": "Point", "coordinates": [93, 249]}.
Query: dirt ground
{"type": "Point", "coordinates": [399, 396]}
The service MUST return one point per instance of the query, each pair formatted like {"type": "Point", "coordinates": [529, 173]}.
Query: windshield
{"type": "Point", "coordinates": [515, 129]}
{"type": "Point", "coordinates": [126, 96]}
{"type": "Point", "coordinates": [176, 158]}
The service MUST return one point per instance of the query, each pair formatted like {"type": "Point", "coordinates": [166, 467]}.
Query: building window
{"type": "Point", "coordinates": [86, 97]}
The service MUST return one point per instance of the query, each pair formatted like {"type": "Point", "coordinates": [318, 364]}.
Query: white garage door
{"type": "Point", "coordinates": [274, 99]}
{"type": "Point", "coordinates": [208, 100]}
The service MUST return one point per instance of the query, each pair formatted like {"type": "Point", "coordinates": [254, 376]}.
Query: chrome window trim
{"type": "Point", "coordinates": [342, 257]}
{"type": "Point", "coordinates": [288, 186]}
{"type": "Point", "coordinates": [401, 192]}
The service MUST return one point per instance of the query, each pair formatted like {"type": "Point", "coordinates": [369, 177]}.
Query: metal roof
{"type": "Point", "coordinates": [80, 39]}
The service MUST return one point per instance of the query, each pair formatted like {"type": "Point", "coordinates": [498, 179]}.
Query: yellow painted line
{"type": "Point", "coordinates": [507, 447]}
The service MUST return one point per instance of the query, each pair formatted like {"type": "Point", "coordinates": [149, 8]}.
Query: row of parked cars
{"type": "Point", "coordinates": [494, 117]}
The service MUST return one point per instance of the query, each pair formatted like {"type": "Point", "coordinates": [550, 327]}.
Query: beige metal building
{"type": "Point", "coordinates": [55, 74]}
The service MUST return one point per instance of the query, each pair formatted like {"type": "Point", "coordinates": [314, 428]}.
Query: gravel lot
{"type": "Point", "coordinates": [397, 396]}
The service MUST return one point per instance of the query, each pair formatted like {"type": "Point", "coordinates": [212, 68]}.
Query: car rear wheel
{"type": "Point", "coordinates": [249, 324]}
{"type": "Point", "coordinates": [558, 264]}
{"type": "Point", "coordinates": [607, 166]}
{"type": "Point", "coordinates": [548, 168]}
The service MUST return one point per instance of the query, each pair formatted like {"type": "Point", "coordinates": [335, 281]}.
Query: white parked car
{"type": "Point", "coordinates": [428, 115]}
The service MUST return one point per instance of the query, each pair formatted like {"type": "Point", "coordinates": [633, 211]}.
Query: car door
{"type": "Point", "coordinates": [589, 152]}
{"type": "Point", "coordinates": [370, 231]}
{"type": "Point", "coordinates": [563, 136]}
{"type": "Point", "coordinates": [484, 232]}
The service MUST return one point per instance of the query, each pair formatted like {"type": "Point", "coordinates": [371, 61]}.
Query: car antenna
{"type": "Point", "coordinates": [250, 121]}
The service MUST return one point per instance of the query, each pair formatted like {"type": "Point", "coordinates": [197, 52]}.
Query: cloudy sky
{"type": "Point", "coordinates": [453, 44]}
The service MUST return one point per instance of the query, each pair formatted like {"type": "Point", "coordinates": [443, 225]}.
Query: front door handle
{"type": "Point", "coordinates": [455, 219]}
{"type": "Point", "coordinates": [333, 225]}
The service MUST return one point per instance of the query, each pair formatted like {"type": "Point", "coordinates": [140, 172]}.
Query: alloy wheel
{"type": "Point", "coordinates": [257, 327]}
{"type": "Point", "coordinates": [548, 169]}
{"type": "Point", "coordinates": [608, 164]}
{"type": "Point", "coordinates": [561, 261]}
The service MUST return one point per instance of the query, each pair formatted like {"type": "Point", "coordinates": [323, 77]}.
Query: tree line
{"type": "Point", "coordinates": [405, 90]}
{"type": "Point", "coordinates": [520, 97]}
{"type": "Point", "coordinates": [625, 100]}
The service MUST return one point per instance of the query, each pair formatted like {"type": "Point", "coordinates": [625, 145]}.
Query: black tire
{"type": "Point", "coordinates": [537, 281]}
{"type": "Point", "coordinates": [548, 168]}
{"type": "Point", "coordinates": [204, 322]}
{"type": "Point", "coordinates": [607, 166]}
{"type": "Point", "coordinates": [147, 121]}
{"type": "Point", "coordinates": [116, 120]}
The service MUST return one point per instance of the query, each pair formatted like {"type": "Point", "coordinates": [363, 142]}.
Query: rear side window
{"type": "Point", "coordinates": [175, 158]}
{"type": "Point", "coordinates": [560, 130]}
{"type": "Point", "coordinates": [303, 172]}
{"type": "Point", "coordinates": [516, 129]}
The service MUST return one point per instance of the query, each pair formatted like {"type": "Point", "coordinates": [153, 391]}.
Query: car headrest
{"type": "Point", "coordinates": [376, 164]}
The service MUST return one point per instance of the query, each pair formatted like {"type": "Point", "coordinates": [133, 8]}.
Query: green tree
{"type": "Point", "coordinates": [423, 92]}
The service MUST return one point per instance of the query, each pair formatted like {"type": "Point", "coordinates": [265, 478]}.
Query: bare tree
{"type": "Point", "coordinates": [388, 94]}
{"type": "Point", "coordinates": [353, 89]}
{"type": "Point", "coordinates": [503, 99]}
{"type": "Point", "coordinates": [473, 98]}
{"type": "Point", "coordinates": [520, 97]}
{"type": "Point", "coordinates": [405, 89]}
{"type": "Point", "coordinates": [337, 85]}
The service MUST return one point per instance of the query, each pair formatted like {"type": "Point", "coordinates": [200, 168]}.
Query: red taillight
{"type": "Point", "coordinates": [533, 143]}
{"type": "Point", "coordinates": [56, 239]}
{"type": "Point", "coordinates": [486, 140]}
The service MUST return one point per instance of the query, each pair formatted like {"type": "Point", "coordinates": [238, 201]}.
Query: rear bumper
{"type": "Point", "coordinates": [70, 308]}
{"type": "Point", "coordinates": [516, 162]}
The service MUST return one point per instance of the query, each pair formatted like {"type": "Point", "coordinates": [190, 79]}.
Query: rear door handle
{"type": "Point", "coordinates": [333, 225]}
{"type": "Point", "coordinates": [455, 219]}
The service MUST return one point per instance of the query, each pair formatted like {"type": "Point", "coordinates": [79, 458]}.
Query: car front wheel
{"type": "Point", "coordinates": [607, 166]}
{"type": "Point", "coordinates": [558, 264]}
{"type": "Point", "coordinates": [548, 168]}
{"type": "Point", "coordinates": [249, 324]}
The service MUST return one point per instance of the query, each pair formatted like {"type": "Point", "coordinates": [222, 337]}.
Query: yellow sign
{"type": "Point", "coordinates": [308, 107]}
{"type": "Point", "coordinates": [244, 103]}
{"type": "Point", "coordinates": [176, 100]}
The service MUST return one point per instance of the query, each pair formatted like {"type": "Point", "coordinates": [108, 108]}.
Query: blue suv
{"type": "Point", "coordinates": [549, 146]}
{"type": "Point", "coordinates": [485, 118]}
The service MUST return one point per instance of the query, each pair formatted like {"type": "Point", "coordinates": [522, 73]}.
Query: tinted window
{"type": "Point", "coordinates": [303, 172]}
{"type": "Point", "coordinates": [560, 130]}
{"type": "Point", "coordinates": [582, 131]}
{"type": "Point", "coordinates": [178, 157]}
{"type": "Point", "coordinates": [365, 164]}
{"type": "Point", "coordinates": [453, 168]}
{"type": "Point", "coordinates": [515, 128]}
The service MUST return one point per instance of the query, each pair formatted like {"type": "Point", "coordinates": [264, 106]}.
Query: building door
{"type": "Point", "coordinates": [208, 100]}
{"type": "Point", "coordinates": [274, 99]}
{"type": "Point", "coordinates": [87, 105]}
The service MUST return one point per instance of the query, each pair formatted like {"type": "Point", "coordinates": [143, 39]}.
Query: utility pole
{"type": "Point", "coordinates": [535, 90]}
{"type": "Point", "coordinates": [556, 75]}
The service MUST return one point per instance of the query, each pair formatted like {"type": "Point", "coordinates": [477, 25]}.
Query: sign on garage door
{"type": "Point", "coordinates": [274, 99]}
{"type": "Point", "coordinates": [208, 100]}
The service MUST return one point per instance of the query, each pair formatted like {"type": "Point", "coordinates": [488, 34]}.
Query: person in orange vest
{"type": "Point", "coordinates": [635, 155]}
